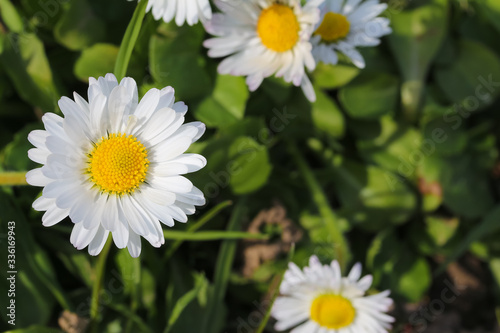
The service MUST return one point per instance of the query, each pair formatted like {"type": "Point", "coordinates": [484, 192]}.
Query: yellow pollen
{"type": "Point", "coordinates": [332, 311]}
{"type": "Point", "coordinates": [334, 27]}
{"type": "Point", "coordinates": [278, 28]}
{"type": "Point", "coordinates": [118, 164]}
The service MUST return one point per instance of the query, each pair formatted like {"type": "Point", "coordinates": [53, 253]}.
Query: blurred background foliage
{"type": "Point", "coordinates": [406, 151]}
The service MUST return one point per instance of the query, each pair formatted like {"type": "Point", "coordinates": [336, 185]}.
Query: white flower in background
{"type": "Point", "coordinates": [318, 299]}
{"type": "Point", "coordinates": [345, 25]}
{"type": "Point", "coordinates": [183, 10]}
{"type": "Point", "coordinates": [114, 165]}
{"type": "Point", "coordinates": [265, 37]}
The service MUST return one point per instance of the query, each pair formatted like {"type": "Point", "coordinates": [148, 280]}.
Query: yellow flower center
{"type": "Point", "coordinates": [332, 311]}
{"type": "Point", "coordinates": [278, 28]}
{"type": "Point", "coordinates": [334, 26]}
{"type": "Point", "coordinates": [118, 164]}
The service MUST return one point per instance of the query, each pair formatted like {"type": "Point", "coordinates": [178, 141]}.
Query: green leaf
{"type": "Point", "coordinates": [96, 61]}
{"type": "Point", "coordinates": [11, 17]}
{"type": "Point", "coordinates": [327, 116]}
{"type": "Point", "coordinates": [250, 167]}
{"type": "Point", "coordinates": [489, 225]}
{"type": "Point", "coordinates": [396, 268]}
{"type": "Point", "coordinates": [15, 154]}
{"type": "Point", "coordinates": [201, 284]}
{"type": "Point", "coordinates": [79, 27]}
{"type": "Point", "coordinates": [372, 197]}
{"type": "Point", "coordinates": [222, 271]}
{"type": "Point", "coordinates": [25, 61]}
{"type": "Point", "coordinates": [415, 41]}
{"type": "Point", "coordinates": [227, 103]}
{"type": "Point", "coordinates": [472, 79]}
{"type": "Point", "coordinates": [175, 60]}
{"type": "Point", "coordinates": [35, 279]}
{"type": "Point", "coordinates": [370, 96]}
{"type": "Point", "coordinates": [397, 148]}
{"type": "Point", "coordinates": [491, 9]}
{"type": "Point", "coordinates": [333, 76]}
{"type": "Point", "coordinates": [130, 271]}
{"type": "Point", "coordinates": [435, 236]}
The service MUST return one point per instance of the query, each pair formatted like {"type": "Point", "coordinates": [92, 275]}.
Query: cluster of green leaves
{"type": "Point", "coordinates": [405, 150]}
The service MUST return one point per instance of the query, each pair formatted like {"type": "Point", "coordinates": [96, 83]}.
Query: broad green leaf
{"type": "Point", "coordinates": [397, 148]}
{"type": "Point", "coordinates": [370, 96]}
{"type": "Point", "coordinates": [327, 116]}
{"type": "Point", "coordinates": [435, 236]}
{"type": "Point", "coordinates": [250, 167]}
{"type": "Point", "coordinates": [25, 61]}
{"type": "Point", "coordinates": [227, 103]}
{"type": "Point", "coordinates": [489, 225]}
{"type": "Point", "coordinates": [416, 38]}
{"type": "Point", "coordinates": [11, 17]}
{"type": "Point", "coordinates": [79, 27]}
{"type": "Point", "coordinates": [473, 79]}
{"type": "Point", "coordinates": [396, 267]}
{"type": "Point", "coordinates": [466, 189]}
{"type": "Point", "coordinates": [443, 138]}
{"type": "Point", "coordinates": [333, 76]}
{"type": "Point", "coordinates": [15, 154]}
{"type": "Point", "coordinates": [96, 61]}
{"type": "Point", "coordinates": [372, 197]}
{"type": "Point", "coordinates": [175, 60]}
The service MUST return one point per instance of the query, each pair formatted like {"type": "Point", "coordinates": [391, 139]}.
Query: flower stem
{"type": "Point", "coordinates": [129, 39]}
{"type": "Point", "coordinates": [342, 252]}
{"type": "Point", "coordinates": [13, 178]}
{"type": "Point", "coordinates": [99, 278]}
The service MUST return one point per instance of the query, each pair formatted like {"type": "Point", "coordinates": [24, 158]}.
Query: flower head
{"type": "Point", "coordinates": [114, 164]}
{"type": "Point", "coordinates": [265, 37]}
{"type": "Point", "coordinates": [182, 10]}
{"type": "Point", "coordinates": [345, 25]}
{"type": "Point", "coordinates": [319, 299]}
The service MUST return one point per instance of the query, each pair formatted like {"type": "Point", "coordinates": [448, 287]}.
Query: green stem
{"type": "Point", "coordinates": [326, 212]}
{"type": "Point", "coordinates": [211, 235]}
{"type": "Point", "coordinates": [96, 290]}
{"type": "Point", "coordinates": [267, 315]}
{"type": "Point", "coordinates": [197, 225]}
{"type": "Point", "coordinates": [223, 266]}
{"type": "Point", "coordinates": [129, 39]}
{"type": "Point", "coordinates": [13, 178]}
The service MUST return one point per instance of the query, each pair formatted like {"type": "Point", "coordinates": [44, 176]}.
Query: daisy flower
{"type": "Point", "coordinates": [113, 164]}
{"type": "Point", "coordinates": [319, 299]}
{"type": "Point", "coordinates": [265, 37]}
{"type": "Point", "coordinates": [345, 25]}
{"type": "Point", "coordinates": [183, 10]}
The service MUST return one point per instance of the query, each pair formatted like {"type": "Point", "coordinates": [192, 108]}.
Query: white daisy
{"type": "Point", "coordinates": [319, 300]}
{"type": "Point", "coordinates": [114, 165]}
{"type": "Point", "coordinates": [345, 25]}
{"type": "Point", "coordinates": [265, 37]}
{"type": "Point", "coordinates": [183, 10]}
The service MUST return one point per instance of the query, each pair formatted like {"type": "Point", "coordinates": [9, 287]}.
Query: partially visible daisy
{"type": "Point", "coordinates": [113, 164]}
{"type": "Point", "coordinates": [319, 299]}
{"type": "Point", "coordinates": [345, 25]}
{"type": "Point", "coordinates": [183, 10]}
{"type": "Point", "coordinates": [265, 37]}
